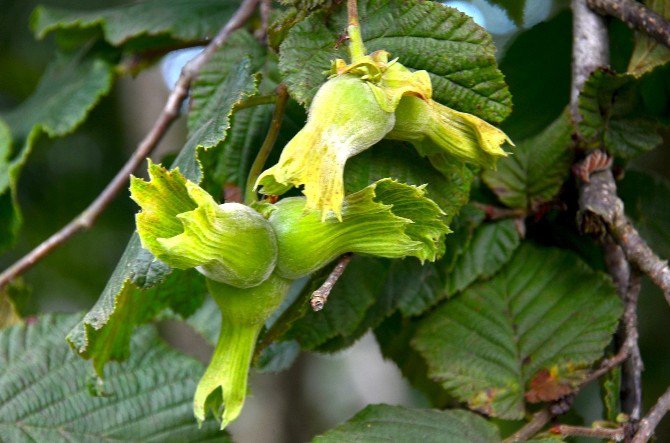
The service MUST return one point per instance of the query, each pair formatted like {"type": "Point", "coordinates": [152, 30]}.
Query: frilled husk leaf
{"type": "Point", "coordinates": [344, 120]}
{"type": "Point", "coordinates": [433, 128]}
{"type": "Point", "coordinates": [386, 219]}
{"type": "Point", "coordinates": [181, 224]}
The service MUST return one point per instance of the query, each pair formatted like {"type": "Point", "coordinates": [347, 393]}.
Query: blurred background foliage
{"type": "Point", "coordinates": [62, 177]}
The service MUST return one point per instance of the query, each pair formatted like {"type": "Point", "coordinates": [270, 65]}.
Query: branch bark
{"type": "Point", "coordinates": [169, 114]}
{"type": "Point", "coordinates": [601, 210]}
{"type": "Point", "coordinates": [627, 282]}
{"type": "Point", "coordinates": [648, 424]}
{"type": "Point", "coordinates": [535, 425]}
{"type": "Point", "coordinates": [320, 296]}
{"type": "Point", "coordinates": [637, 16]}
{"type": "Point", "coordinates": [616, 434]}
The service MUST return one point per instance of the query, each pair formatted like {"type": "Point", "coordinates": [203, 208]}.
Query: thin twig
{"type": "Point", "coordinates": [630, 329]}
{"type": "Point", "coordinates": [320, 296]}
{"type": "Point", "coordinates": [616, 434]}
{"type": "Point", "coordinates": [535, 425]}
{"type": "Point", "coordinates": [637, 16]}
{"type": "Point", "coordinates": [627, 282]}
{"type": "Point", "coordinates": [653, 418]}
{"type": "Point", "coordinates": [169, 113]}
{"type": "Point", "coordinates": [269, 142]}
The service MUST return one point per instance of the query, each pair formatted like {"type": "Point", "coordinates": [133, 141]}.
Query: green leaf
{"type": "Point", "coordinates": [71, 86]}
{"type": "Point", "coordinates": [491, 246]}
{"type": "Point", "coordinates": [538, 168]}
{"type": "Point", "coordinates": [213, 104]}
{"type": "Point", "coordinates": [413, 288]}
{"type": "Point", "coordinates": [128, 299]}
{"type": "Point", "coordinates": [614, 117]}
{"type": "Point", "coordinates": [45, 390]}
{"type": "Point", "coordinates": [383, 423]}
{"type": "Point", "coordinates": [187, 20]}
{"type": "Point", "coordinates": [513, 8]}
{"type": "Point", "coordinates": [648, 54]}
{"type": "Point", "coordinates": [646, 201]}
{"type": "Point", "coordinates": [530, 331]}
{"type": "Point", "coordinates": [105, 331]}
{"type": "Point", "coordinates": [457, 53]}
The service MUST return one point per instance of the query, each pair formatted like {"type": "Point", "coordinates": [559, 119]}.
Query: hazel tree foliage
{"type": "Point", "coordinates": [351, 167]}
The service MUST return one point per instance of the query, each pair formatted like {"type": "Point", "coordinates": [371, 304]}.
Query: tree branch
{"type": "Point", "coordinates": [601, 210]}
{"type": "Point", "coordinates": [648, 424]}
{"type": "Point", "coordinates": [320, 296]}
{"type": "Point", "coordinates": [636, 16]}
{"type": "Point", "coordinates": [627, 282]}
{"type": "Point", "coordinates": [616, 434]}
{"type": "Point", "coordinates": [169, 113]}
{"type": "Point", "coordinates": [535, 425]}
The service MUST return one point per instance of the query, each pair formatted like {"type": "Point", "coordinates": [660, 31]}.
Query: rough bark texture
{"type": "Point", "coordinates": [636, 16]}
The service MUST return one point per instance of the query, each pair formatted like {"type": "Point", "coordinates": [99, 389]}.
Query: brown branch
{"type": "Point", "coordinates": [320, 296]}
{"type": "Point", "coordinates": [535, 425]}
{"type": "Point", "coordinates": [636, 16]}
{"type": "Point", "coordinates": [616, 434]}
{"type": "Point", "coordinates": [648, 424]}
{"type": "Point", "coordinates": [629, 345]}
{"type": "Point", "coordinates": [601, 211]}
{"type": "Point", "coordinates": [169, 113]}
{"type": "Point", "coordinates": [627, 282]}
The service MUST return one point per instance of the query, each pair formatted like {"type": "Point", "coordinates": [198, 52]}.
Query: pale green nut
{"type": "Point", "coordinates": [386, 219]}
{"type": "Point", "coordinates": [344, 119]}
{"type": "Point", "coordinates": [182, 225]}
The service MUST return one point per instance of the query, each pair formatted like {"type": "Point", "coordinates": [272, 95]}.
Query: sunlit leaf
{"type": "Point", "coordinates": [528, 334]}
{"type": "Point", "coordinates": [457, 53]}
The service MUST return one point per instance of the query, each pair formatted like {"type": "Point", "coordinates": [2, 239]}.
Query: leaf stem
{"type": "Point", "coordinates": [169, 114]}
{"type": "Point", "coordinates": [356, 46]}
{"type": "Point", "coordinates": [269, 142]}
